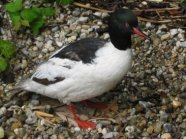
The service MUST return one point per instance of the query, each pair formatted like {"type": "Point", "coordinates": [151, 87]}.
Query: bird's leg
{"type": "Point", "coordinates": [96, 105]}
{"type": "Point", "coordinates": [81, 123]}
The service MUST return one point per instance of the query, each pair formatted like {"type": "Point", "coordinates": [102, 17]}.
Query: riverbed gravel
{"type": "Point", "coordinates": [150, 102]}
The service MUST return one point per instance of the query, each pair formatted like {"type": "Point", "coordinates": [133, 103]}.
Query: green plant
{"type": "Point", "coordinates": [33, 17]}
{"type": "Point", "coordinates": [64, 2]}
{"type": "Point", "coordinates": [7, 51]}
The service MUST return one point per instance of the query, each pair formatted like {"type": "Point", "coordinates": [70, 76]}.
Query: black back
{"type": "Point", "coordinates": [82, 50]}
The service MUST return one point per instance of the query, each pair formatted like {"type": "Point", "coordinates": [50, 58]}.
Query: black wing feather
{"type": "Point", "coordinates": [82, 50]}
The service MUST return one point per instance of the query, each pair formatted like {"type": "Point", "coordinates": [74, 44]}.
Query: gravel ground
{"type": "Point", "coordinates": [150, 103]}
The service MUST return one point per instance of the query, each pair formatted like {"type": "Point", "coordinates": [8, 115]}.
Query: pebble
{"type": "Point", "coordinates": [183, 44]}
{"type": "Point", "coordinates": [98, 14]}
{"type": "Point", "coordinates": [76, 12]}
{"type": "Point", "coordinates": [130, 131]}
{"type": "Point", "coordinates": [150, 129]}
{"type": "Point", "coordinates": [166, 136]}
{"type": "Point", "coordinates": [104, 131]}
{"type": "Point", "coordinates": [2, 111]}
{"type": "Point", "coordinates": [53, 137]}
{"type": "Point", "coordinates": [77, 129]}
{"type": "Point", "coordinates": [83, 19]}
{"type": "Point", "coordinates": [167, 127]}
{"type": "Point", "coordinates": [31, 119]}
{"type": "Point", "coordinates": [148, 25]}
{"type": "Point", "coordinates": [20, 132]}
{"type": "Point", "coordinates": [110, 135]}
{"type": "Point", "coordinates": [157, 127]}
{"type": "Point", "coordinates": [34, 102]}
{"type": "Point", "coordinates": [2, 133]}
{"type": "Point", "coordinates": [176, 103]}
{"type": "Point", "coordinates": [173, 32]}
{"type": "Point", "coordinates": [165, 36]}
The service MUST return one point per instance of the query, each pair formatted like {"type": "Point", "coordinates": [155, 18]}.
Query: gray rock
{"type": "Point", "coordinates": [53, 137]}
{"type": "Point", "coordinates": [110, 135]}
{"type": "Point", "coordinates": [130, 131]}
{"type": "Point", "coordinates": [83, 19]}
{"type": "Point", "coordinates": [3, 111]}
{"type": "Point", "coordinates": [165, 36]}
{"type": "Point", "coordinates": [76, 12]}
{"type": "Point", "coordinates": [173, 32]}
{"type": "Point", "coordinates": [183, 44]}
{"type": "Point", "coordinates": [20, 132]}
{"type": "Point", "coordinates": [167, 127]}
{"type": "Point", "coordinates": [31, 118]}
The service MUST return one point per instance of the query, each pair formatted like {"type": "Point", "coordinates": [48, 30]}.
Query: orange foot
{"type": "Point", "coordinates": [96, 105]}
{"type": "Point", "coordinates": [81, 123]}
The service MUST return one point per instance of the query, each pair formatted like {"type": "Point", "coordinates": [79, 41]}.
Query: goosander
{"type": "Point", "coordinates": [88, 67]}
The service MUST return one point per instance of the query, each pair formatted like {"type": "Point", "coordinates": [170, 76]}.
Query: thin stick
{"type": "Point", "coordinates": [43, 114]}
{"type": "Point", "coordinates": [90, 7]}
{"type": "Point", "coordinates": [153, 21]}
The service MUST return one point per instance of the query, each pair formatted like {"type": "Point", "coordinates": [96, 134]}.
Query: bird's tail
{"type": "Point", "coordinates": [18, 88]}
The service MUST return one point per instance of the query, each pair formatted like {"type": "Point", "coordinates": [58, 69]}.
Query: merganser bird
{"type": "Point", "coordinates": [89, 67]}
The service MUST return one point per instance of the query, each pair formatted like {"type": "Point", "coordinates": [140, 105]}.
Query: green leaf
{"type": "Point", "coordinates": [64, 2]}
{"type": "Point", "coordinates": [16, 20]}
{"type": "Point", "coordinates": [29, 14]}
{"type": "Point", "coordinates": [14, 6]}
{"type": "Point", "coordinates": [3, 64]}
{"type": "Point", "coordinates": [36, 25]}
{"type": "Point", "coordinates": [47, 11]}
{"type": "Point", "coordinates": [7, 49]}
{"type": "Point", "coordinates": [25, 23]}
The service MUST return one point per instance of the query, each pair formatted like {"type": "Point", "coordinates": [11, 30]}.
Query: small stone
{"type": "Point", "coordinates": [183, 44]}
{"type": "Point", "coordinates": [2, 133]}
{"type": "Point", "coordinates": [181, 37]}
{"type": "Point", "coordinates": [61, 136]}
{"type": "Point", "coordinates": [130, 131]}
{"type": "Point", "coordinates": [31, 119]}
{"type": "Point", "coordinates": [104, 131]}
{"type": "Point", "coordinates": [24, 63]}
{"type": "Point", "coordinates": [167, 127]}
{"type": "Point", "coordinates": [144, 3]}
{"type": "Point", "coordinates": [59, 43]}
{"type": "Point", "coordinates": [34, 102]}
{"type": "Point", "coordinates": [51, 49]}
{"type": "Point", "coordinates": [163, 27]}
{"type": "Point", "coordinates": [53, 137]}
{"type": "Point", "coordinates": [83, 35]}
{"type": "Point", "coordinates": [166, 136]}
{"type": "Point", "coordinates": [150, 129]}
{"type": "Point", "coordinates": [79, 137]}
{"type": "Point", "coordinates": [15, 125]}
{"type": "Point", "coordinates": [165, 36]}
{"type": "Point", "coordinates": [176, 103]}
{"type": "Point", "coordinates": [2, 111]}
{"type": "Point", "coordinates": [77, 129]}
{"type": "Point", "coordinates": [110, 135]}
{"type": "Point", "coordinates": [20, 132]}
{"type": "Point", "coordinates": [104, 15]}
{"type": "Point", "coordinates": [148, 25]}
{"type": "Point", "coordinates": [157, 127]}
{"type": "Point", "coordinates": [76, 12]}
{"type": "Point", "coordinates": [98, 14]}
{"type": "Point", "coordinates": [106, 36]}
{"type": "Point", "coordinates": [173, 32]}
{"type": "Point", "coordinates": [83, 19]}
{"type": "Point", "coordinates": [35, 48]}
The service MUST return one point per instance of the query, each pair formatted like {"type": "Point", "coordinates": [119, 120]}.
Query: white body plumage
{"type": "Point", "coordinates": [81, 80]}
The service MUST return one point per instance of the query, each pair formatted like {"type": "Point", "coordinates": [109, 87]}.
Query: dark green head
{"type": "Point", "coordinates": [122, 24]}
